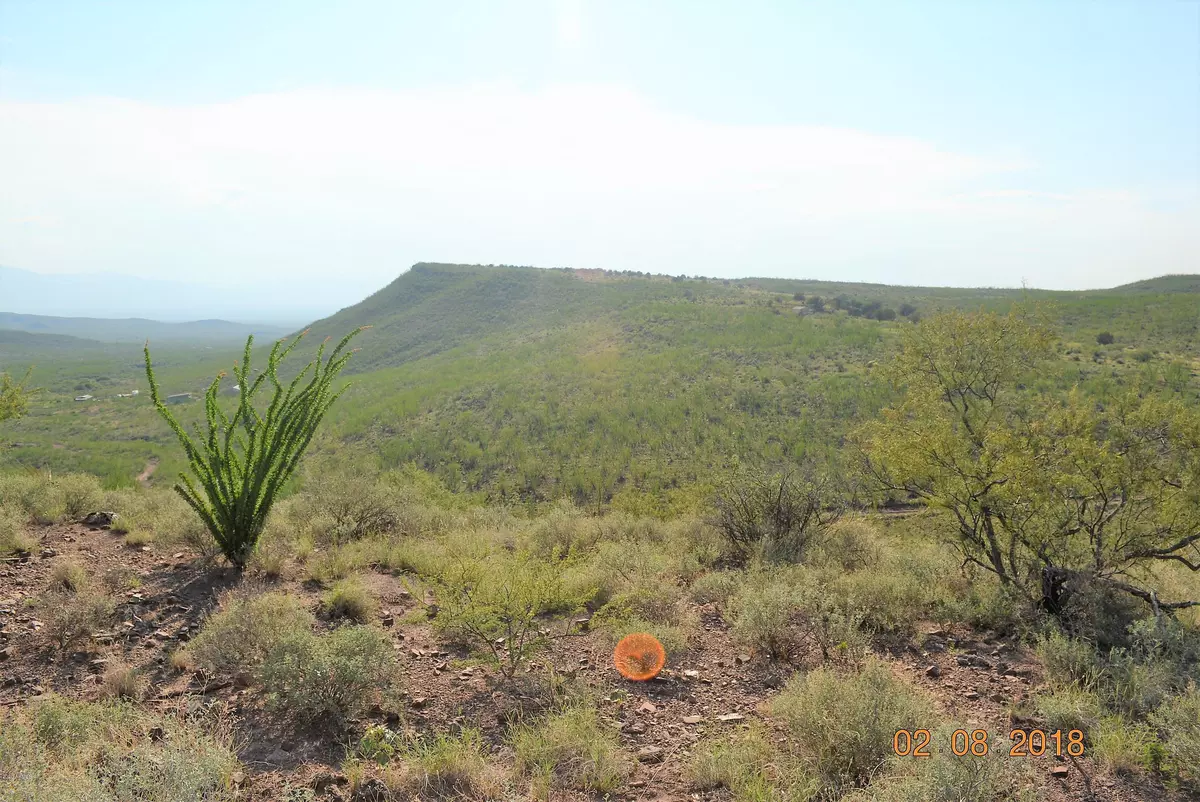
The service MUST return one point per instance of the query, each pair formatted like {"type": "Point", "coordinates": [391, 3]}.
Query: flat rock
{"type": "Point", "coordinates": [933, 671]}
{"type": "Point", "coordinates": [729, 717]}
{"type": "Point", "coordinates": [692, 719]}
{"type": "Point", "coordinates": [1059, 771]}
{"type": "Point", "coordinates": [650, 754]}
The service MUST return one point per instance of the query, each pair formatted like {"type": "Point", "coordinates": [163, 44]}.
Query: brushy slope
{"type": "Point", "coordinates": [606, 387]}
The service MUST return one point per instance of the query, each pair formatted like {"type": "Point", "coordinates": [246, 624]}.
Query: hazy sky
{"type": "Point", "coordinates": [964, 143]}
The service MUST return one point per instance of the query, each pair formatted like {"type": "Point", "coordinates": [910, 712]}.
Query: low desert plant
{"type": "Point", "coordinates": [58, 749]}
{"type": "Point", "coordinates": [572, 750]}
{"type": "Point", "coordinates": [307, 677]}
{"type": "Point", "coordinates": [72, 618]}
{"type": "Point", "coordinates": [239, 637]}
{"type": "Point", "coordinates": [775, 518]}
{"type": "Point", "coordinates": [494, 604]}
{"type": "Point", "coordinates": [13, 537]}
{"type": "Point", "coordinates": [750, 767]}
{"type": "Point", "coordinates": [843, 725]}
{"type": "Point", "coordinates": [1178, 722]}
{"type": "Point", "coordinates": [444, 766]}
{"type": "Point", "coordinates": [68, 575]}
{"type": "Point", "coordinates": [123, 682]}
{"type": "Point", "coordinates": [244, 461]}
{"type": "Point", "coordinates": [1123, 747]}
{"type": "Point", "coordinates": [350, 598]}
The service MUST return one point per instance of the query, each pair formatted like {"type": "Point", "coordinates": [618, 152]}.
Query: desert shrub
{"type": "Point", "coordinates": [307, 677]}
{"type": "Point", "coordinates": [350, 598]}
{"type": "Point", "coordinates": [749, 767]}
{"type": "Point", "coordinates": [1105, 338]}
{"type": "Point", "coordinates": [123, 682]}
{"type": "Point", "coordinates": [13, 537]}
{"type": "Point", "coordinates": [444, 766]}
{"type": "Point", "coordinates": [1071, 708]}
{"type": "Point", "coordinates": [988, 606]}
{"type": "Point", "coordinates": [33, 494]}
{"type": "Point", "coordinates": [1101, 614]}
{"type": "Point", "coordinates": [493, 605]}
{"type": "Point", "coordinates": [564, 531]}
{"type": "Point", "coordinates": [68, 575]}
{"type": "Point", "coordinates": [849, 544]}
{"type": "Point", "coordinates": [716, 587]}
{"type": "Point", "coordinates": [1123, 747]}
{"type": "Point", "coordinates": [239, 637]}
{"type": "Point", "coordinates": [1143, 355]}
{"type": "Point", "coordinates": [843, 725]}
{"type": "Point", "coordinates": [945, 777]}
{"type": "Point", "coordinates": [786, 614]}
{"type": "Point", "coordinates": [1178, 723]}
{"type": "Point", "coordinates": [59, 750]}
{"type": "Point", "coordinates": [158, 515]}
{"type": "Point", "coordinates": [888, 599]}
{"type": "Point", "coordinates": [72, 618]}
{"type": "Point", "coordinates": [774, 518]}
{"type": "Point", "coordinates": [79, 493]}
{"type": "Point", "coordinates": [241, 476]}
{"type": "Point", "coordinates": [1070, 661]}
{"type": "Point", "coordinates": [572, 749]}
{"type": "Point", "coordinates": [353, 505]}
{"type": "Point", "coordinates": [762, 614]}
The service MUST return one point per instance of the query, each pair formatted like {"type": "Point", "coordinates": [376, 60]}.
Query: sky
{"type": "Point", "coordinates": [325, 147]}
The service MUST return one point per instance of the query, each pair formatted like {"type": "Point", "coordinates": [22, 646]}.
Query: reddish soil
{"type": "Point", "coordinates": [977, 681]}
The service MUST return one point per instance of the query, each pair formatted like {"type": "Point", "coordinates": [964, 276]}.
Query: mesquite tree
{"type": "Point", "coordinates": [243, 460]}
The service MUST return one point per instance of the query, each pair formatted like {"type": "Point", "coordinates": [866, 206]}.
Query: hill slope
{"type": "Point", "coordinates": [529, 383]}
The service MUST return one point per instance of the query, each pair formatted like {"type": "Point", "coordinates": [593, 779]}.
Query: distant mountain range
{"type": "Point", "coordinates": [126, 330]}
{"type": "Point", "coordinates": [117, 296]}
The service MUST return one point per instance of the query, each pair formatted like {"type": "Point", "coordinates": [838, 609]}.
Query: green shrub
{"type": "Point", "coordinates": [33, 495]}
{"type": "Point", "coordinates": [774, 518]}
{"type": "Point", "coordinates": [571, 750]}
{"type": "Point", "coordinates": [716, 587]}
{"type": "Point", "coordinates": [1123, 747]}
{"type": "Point", "coordinates": [59, 750]}
{"type": "Point", "coordinates": [493, 605]}
{"type": "Point", "coordinates": [444, 766]}
{"type": "Point", "coordinates": [762, 613]}
{"type": "Point", "coordinates": [68, 575]}
{"type": "Point", "coordinates": [1070, 661]}
{"type": "Point", "coordinates": [80, 493]}
{"type": "Point", "coordinates": [13, 537]}
{"type": "Point", "coordinates": [352, 504]}
{"type": "Point", "coordinates": [241, 476]}
{"type": "Point", "coordinates": [239, 637]}
{"type": "Point", "coordinates": [1071, 708]}
{"type": "Point", "coordinates": [350, 598]}
{"type": "Point", "coordinates": [750, 768]}
{"type": "Point", "coordinates": [379, 744]}
{"type": "Point", "coordinates": [843, 725]}
{"type": "Point", "coordinates": [1178, 722]}
{"type": "Point", "coordinates": [850, 544]}
{"type": "Point", "coordinates": [945, 777]}
{"type": "Point", "coordinates": [307, 677]}
{"type": "Point", "coordinates": [72, 618]}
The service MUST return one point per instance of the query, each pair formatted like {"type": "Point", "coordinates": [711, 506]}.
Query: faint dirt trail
{"type": "Point", "coordinates": [144, 477]}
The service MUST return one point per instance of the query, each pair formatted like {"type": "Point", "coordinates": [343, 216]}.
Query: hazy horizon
{"type": "Point", "coordinates": [303, 150]}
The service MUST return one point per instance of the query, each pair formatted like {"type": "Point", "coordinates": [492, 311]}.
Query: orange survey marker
{"type": "Point", "coordinates": [639, 656]}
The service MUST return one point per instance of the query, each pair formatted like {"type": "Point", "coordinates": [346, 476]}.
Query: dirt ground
{"type": "Point", "coordinates": [716, 689]}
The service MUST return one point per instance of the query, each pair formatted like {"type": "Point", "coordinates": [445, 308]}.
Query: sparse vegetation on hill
{"type": "Point", "coordinates": [838, 527]}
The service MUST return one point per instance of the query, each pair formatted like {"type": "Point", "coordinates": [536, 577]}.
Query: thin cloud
{"type": "Point", "coordinates": [587, 175]}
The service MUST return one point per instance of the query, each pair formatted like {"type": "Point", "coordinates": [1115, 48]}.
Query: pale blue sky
{"type": "Point", "coordinates": [910, 142]}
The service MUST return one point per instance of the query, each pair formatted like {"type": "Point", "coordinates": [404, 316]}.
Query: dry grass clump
{"type": "Point", "coordinates": [842, 725]}
{"type": "Point", "coordinates": [57, 750]}
{"type": "Point", "coordinates": [239, 637]}
{"type": "Point", "coordinates": [123, 682]}
{"type": "Point", "coordinates": [351, 599]}
{"type": "Point", "coordinates": [442, 766]}
{"type": "Point", "coordinates": [68, 575]}
{"type": "Point", "coordinates": [13, 537]}
{"type": "Point", "coordinates": [72, 618]}
{"type": "Point", "coordinates": [571, 750]}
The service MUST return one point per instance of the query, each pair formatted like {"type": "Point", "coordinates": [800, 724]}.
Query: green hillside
{"type": "Point", "coordinates": [605, 387]}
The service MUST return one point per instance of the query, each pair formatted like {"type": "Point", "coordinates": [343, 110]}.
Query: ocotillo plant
{"type": "Point", "coordinates": [243, 461]}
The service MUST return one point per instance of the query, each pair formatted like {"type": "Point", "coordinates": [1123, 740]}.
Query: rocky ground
{"type": "Point", "coordinates": [717, 689]}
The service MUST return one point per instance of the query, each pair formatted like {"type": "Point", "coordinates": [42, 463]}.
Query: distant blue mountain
{"type": "Point", "coordinates": [116, 296]}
